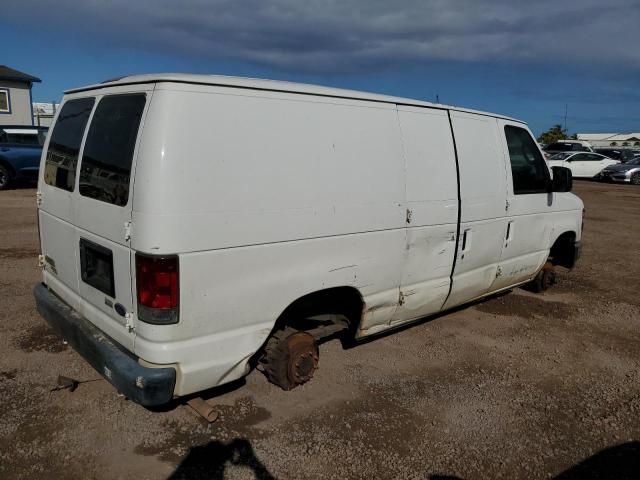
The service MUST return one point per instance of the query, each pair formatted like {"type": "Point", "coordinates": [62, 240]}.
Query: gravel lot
{"type": "Point", "coordinates": [518, 386]}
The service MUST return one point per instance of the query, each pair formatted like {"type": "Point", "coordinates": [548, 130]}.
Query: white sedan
{"type": "Point", "coordinates": [581, 164]}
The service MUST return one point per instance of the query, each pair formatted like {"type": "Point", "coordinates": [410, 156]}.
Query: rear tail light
{"type": "Point", "coordinates": [158, 288]}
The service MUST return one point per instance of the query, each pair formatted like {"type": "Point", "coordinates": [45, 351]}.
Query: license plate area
{"type": "Point", "coordinates": [96, 267]}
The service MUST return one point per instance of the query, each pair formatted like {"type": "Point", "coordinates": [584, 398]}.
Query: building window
{"type": "Point", "coordinates": [5, 105]}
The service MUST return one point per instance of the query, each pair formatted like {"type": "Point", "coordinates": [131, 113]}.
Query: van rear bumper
{"type": "Point", "coordinates": [143, 385]}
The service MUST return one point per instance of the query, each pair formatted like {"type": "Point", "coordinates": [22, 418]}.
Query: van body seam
{"type": "Point", "coordinates": [455, 254]}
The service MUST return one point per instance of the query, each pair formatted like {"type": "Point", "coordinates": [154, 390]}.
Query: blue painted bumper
{"type": "Point", "coordinates": [143, 385]}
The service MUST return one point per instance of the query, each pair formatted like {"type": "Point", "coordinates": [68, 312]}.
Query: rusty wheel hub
{"type": "Point", "coordinates": [303, 359]}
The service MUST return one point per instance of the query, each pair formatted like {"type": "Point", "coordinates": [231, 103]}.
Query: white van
{"type": "Point", "coordinates": [195, 226]}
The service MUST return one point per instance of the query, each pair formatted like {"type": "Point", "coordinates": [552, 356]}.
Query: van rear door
{"type": "Point", "coordinates": [56, 191]}
{"type": "Point", "coordinates": [97, 214]}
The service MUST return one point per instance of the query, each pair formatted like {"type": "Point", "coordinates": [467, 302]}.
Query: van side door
{"type": "Point", "coordinates": [483, 197]}
{"type": "Point", "coordinates": [432, 211]}
{"type": "Point", "coordinates": [530, 203]}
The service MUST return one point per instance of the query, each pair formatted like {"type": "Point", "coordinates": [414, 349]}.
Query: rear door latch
{"type": "Point", "coordinates": [129, 323]}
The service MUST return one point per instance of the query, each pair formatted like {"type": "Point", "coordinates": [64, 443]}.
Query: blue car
{"type": "Point", "coordinates": [20, 150]}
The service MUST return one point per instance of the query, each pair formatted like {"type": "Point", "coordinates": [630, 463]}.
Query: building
{"type": "Point", "coordinates": [15, 97]}
{"type": "Point", "coordinates": [43, 113]}
{"type": "Point", "coordinates": [602, 140]}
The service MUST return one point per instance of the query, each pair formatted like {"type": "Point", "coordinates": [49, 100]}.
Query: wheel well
{"type": "Point", "coordinates": [344, 301]}
{"type": "Point", "coordinates": [8, 166]}
{"type": "Point", "coordinates": [329, 309]}
{"type": "Point", "coordinates": [563, 251]}
{"type": "Point", "coordinates": [330, 306]}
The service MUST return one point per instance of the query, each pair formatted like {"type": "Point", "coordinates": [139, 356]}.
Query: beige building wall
{"type": "Point", "coordinates": [20, 104]}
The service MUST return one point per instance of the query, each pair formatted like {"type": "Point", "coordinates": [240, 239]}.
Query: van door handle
{"type": "Point", "coordinates": [466, 241]}
{"type": "Point", "coordinates": [509, 235]}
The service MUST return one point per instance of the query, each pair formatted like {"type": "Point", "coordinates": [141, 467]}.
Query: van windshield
{"type": "Point", "coordinates": [108, 150]}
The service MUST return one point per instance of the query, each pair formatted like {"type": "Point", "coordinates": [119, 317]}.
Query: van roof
{"type": "Point", "coordinates": [274, 86]}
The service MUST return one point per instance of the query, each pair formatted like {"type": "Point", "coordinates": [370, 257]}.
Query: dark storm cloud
{"type": "Point", "coordinates": [333, 36]}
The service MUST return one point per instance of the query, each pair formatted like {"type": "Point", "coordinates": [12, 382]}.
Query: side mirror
{"type": "Point", "coordinates": [562, 179]}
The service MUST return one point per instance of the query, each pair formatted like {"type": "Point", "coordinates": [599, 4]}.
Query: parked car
{"type": "Point", "coordinates": [181, 248]}
{"type": "Point", "coordinates": [624, 155]}
{"type": "Point", "coordinates": [20, 151]}
{"type": "Point", "coordinates": [624, 172]}
{"type": "Point", "coordinates": [582, 165]}
{"type": "Point", "coordinates": [568, 146]}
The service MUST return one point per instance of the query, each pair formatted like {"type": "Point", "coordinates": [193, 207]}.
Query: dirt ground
{"type": "Point", "coordinates": [519, 386]}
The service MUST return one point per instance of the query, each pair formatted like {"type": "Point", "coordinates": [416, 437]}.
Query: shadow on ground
{"type": "Point", "coordinates": [210, 461]}
{"type": "Point", "coordinates": [621, 462]}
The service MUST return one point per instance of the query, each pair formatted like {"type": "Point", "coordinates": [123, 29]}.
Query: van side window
{"type": "Point", "coordinates": [108, 151]}
{"type": "Point", "coordinates": [62, 155]}
{"type": "Point", "coordinates": [528, 168]}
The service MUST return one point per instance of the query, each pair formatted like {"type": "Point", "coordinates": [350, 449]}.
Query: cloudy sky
{"type": "Point", "coordinates": [522, 58]}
